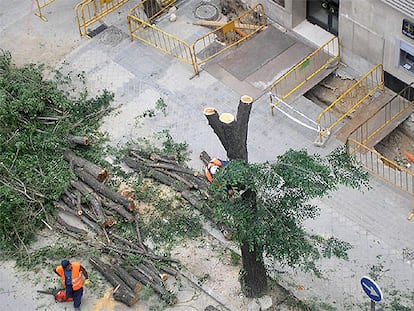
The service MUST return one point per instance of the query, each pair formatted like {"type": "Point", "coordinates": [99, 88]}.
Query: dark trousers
{"type": "Point", "coordinates": [75, 294]}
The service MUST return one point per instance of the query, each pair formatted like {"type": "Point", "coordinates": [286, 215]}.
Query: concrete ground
{"type": "Point", "coordinates": [374, 221]}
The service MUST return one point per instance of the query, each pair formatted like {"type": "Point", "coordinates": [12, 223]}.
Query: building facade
{"type": "Point", "coordinates": [370, 31]}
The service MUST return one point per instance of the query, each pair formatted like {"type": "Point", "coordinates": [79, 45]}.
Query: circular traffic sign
{"type": "Point", "coordinates": [371, 288]}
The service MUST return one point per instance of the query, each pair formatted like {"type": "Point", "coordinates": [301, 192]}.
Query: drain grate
{"type": "Point", "coordinates": [97, 30]}
{"type": "Point", "coordinates": [207, 11]}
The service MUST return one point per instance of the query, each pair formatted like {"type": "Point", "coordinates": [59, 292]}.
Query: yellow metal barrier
{"type": "Point", "coordinates": [382, 167]}
{"type": "Point", "coordinates": [140, 27]}
{"type": "Point", "coordinates": [91, 11]}
{"type": "Point", "coordinates": [40, 5]}
{"type": "Point", "coordinates": [229, 35]}
{"type": "Point", "coordinates": [398, 107]}
{"type": "Point", "coordinates": [345, 104]}
{"type": "Point", "coordinates": [326, 55]}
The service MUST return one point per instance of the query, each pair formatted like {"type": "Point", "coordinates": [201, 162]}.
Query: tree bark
{"type": "Point", "coordinates": [78, 140]}
{"type": "Point", "coordinates": [104, 190]}
{"type": "Point", "coordinates": [232, 133]}
{"type": "Point", "coordinates": [97, 172]}
{"type": "Point", "coordinates": [158, 288]}
{"type": "Point", "coordinates": [118, 209]}
{"type": "Point", "coordinates": [123, 293]}
{"type": "Point", "coordinates": [71, 228]}
{"type": "Point", "coordinates": [91, 197]}
{"type": "Point", "coordinates": [172, 159]}
{"type": "Point", "coordinates": [127, 278]}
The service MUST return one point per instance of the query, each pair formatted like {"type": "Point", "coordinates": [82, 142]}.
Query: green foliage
{"type": "Point", "coordinates": [234, 258]}
{"type": "Point", "coordinates": [35, 116]}
{"type": "Point", "coordinates": [51, 254]}
{"type": "Point", "coordinates": [168, 223]}
{"type": "Point", "coordinates": [160, 105]}
{"type": "Point", "coordinates": [272, 200]}
{"type": "Point", "coordinates": [169, 146]}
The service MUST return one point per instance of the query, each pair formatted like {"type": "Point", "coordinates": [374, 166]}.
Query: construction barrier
{"type": "Point", "coordinates": [140, 19]}
{"type": "Point", "coordinates": [326, 55]}
{"type": "Point", "coordinates": [91, 11]}
{"type": "Point", "coordinates": [396, 110]}
{"type": "Point", "coordinates": [232, 33]}
{"type": "Point", "coordinates": [400, 105]}
{"type": "Point", "coordinates": [140, 27]}
{"type": "Point", "coordinates": [40, 5]}
{"type": "Point", "coordinates": [382, 167]}
{"type": "Point", "coordinates": [345, 104]}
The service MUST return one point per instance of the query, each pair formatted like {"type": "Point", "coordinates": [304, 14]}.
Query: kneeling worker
{"type": "Point", "coordinates": [71, 275]}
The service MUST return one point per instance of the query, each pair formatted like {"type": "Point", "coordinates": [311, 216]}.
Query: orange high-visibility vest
{"type": "Point", "coordinates": [208, 170]}
{"type": "Point", "coordinates": [76, 275]}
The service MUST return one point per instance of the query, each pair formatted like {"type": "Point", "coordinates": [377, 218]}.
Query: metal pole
{"type": "Point", "coordinates": [372, 305]}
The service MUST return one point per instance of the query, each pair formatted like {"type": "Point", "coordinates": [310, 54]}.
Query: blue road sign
{"type": "Point", "coordinates": [371, 289]}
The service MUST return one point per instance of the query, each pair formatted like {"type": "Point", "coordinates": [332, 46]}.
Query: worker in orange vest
{"type": "Point", "coordinates": [211, 169]}
{"type": "Point", "coordinates": [71, 275]}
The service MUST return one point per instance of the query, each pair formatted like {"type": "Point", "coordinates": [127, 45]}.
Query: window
{"type": "Point", "coordinates": [406, 60]}
{"type": "Point", "coordinates": [280, 2]}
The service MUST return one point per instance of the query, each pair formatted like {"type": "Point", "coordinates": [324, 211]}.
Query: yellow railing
{"type": "Point", "coordinates": [140, 27]}
{"type": "Point", "coordinates": [326, 55]}
{"type": "Point", "coordinates": [40, 5]}
{"type": "Point", "coordinates": [382, 167]}
{"type": "Point", "coordinates": [229, 35]}
{"type": "Point", "coordinates": [91, 11]}
{"type": "Point", "coordinates": [345, 104]}
{"type": "Point", "coordinates": [399, 105]}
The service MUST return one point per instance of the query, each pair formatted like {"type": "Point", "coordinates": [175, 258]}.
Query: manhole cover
{"type": "Point", "coordinates": [207, 12]}
{"type": "Point", "coordinates": [112, 36]}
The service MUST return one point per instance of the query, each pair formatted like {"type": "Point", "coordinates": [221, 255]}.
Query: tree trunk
{"type": "Point", "coordinates": [254, 279]}
{"type": "Point", "coordinates": [232, 133]}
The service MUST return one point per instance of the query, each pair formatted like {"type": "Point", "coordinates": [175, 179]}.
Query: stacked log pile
{"type": "Point", "coordinates": [98, 206]}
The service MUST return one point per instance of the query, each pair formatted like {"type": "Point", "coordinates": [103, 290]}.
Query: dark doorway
{"type": "Point", "coordinates": [323, 13]}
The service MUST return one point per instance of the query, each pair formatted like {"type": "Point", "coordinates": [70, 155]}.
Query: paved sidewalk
{"type": "Point", "coordinates": [374, 222]}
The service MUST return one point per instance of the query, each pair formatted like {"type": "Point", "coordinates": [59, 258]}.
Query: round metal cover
{"type": "Point", "coordinates": [207, 12]}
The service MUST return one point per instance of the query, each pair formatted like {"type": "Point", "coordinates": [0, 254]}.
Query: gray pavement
{"type": "Point", "coordinates": [374, 222]}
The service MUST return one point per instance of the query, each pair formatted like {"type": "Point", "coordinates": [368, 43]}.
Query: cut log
{"type": "Point", "coordinates": [138, 232]}
{"type": "Point", "coordinates": [62, 206]}
{"type": "Point", "coordinates": [157, 175]}
{"type": "Point", "coordinates": [123, 293]}
{"type": "Point", "coordinates": [172, 167]}
{"type": "Point", "coordinates": [205, 157]}
{"type": "Point", "coordinates": [104, 190]}
{"type": "Point", "coordinates": [167, 166]}
{"type": "Point", "coordinates": [71, 228]}
{"type": "Point", "coordinates": [172, 159]}
{"type": "Point", "coordinates": [78, 140]}
{"type": "Point", "coordinates": [164, 294]}
{"type": "Point", "coordinates": [97, 172]}
{"type": "Point", "coordinates": [180, 178]}
{"type": "Point", "coordinates": [119, 209]}
{"type": "Point", "coordinates": [90, 196]}
{"type": "Point", "coordinates": [131, 282]}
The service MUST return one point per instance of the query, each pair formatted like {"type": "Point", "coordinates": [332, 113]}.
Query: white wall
{"type": "Point", "coordinates": [370, 32]}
